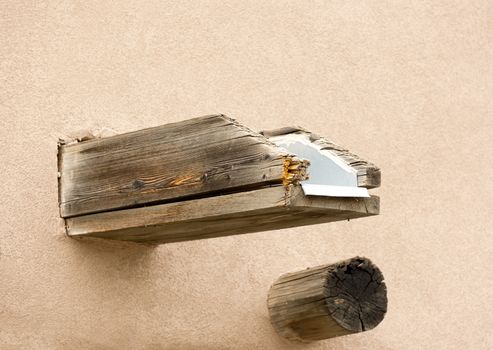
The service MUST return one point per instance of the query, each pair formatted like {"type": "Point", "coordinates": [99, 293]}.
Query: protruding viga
{"type": "Point", "coordinates": [328, 301]}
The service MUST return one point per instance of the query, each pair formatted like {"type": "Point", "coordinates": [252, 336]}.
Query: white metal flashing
{"type": "Point", "coordinates": [328, 174]}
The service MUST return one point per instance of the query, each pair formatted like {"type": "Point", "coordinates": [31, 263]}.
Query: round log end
{"type": "Point", "coordinates": [356, 294]}
{"type": "Point", "coordinates": [328, 301]}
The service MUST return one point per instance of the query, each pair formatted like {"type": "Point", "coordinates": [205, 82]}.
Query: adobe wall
{"type": "Point", "coordinates": [404, 84]}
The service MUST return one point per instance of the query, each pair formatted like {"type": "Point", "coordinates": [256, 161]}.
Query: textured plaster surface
{"type": "Point", "coordinates": [407, 84]}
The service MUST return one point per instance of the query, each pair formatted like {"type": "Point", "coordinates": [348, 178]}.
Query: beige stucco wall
{"type": "Point", "coordinates": [407, 84]}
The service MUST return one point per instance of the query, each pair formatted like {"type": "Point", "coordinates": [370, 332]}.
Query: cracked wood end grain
{"type": "Point", "coordinates": [328, 301]}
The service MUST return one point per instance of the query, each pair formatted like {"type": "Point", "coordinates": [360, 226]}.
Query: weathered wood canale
{"type": "Point", "coordinates": [200, 178]}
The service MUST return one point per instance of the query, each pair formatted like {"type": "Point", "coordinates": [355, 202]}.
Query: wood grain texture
{"type": "Point", "coordinates": [269, 208]}
{"type": "Point", "coordinates": [368, 174]}
{"type": "Point", "coordinates": [328, 301]}
{"type": "Point", "coordinates": [192, 158]}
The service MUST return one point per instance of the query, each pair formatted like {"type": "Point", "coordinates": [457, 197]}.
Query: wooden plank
{"type": "Point", "coordinates": [270, 208]}
{"type": "Point", "coordinates": [328, 301]}
{"type": "Point", "coordinates": [368, 174]}
{"type": "Point", "coordinates": [197, 157]}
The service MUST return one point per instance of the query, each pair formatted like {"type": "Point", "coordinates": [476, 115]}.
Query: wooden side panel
{"type": "Point", "coordinates": [168, 163]}
{"type": "Point", "coordinates": [245, 212]}
{"type": "Point", "coordinates": [368, 174]}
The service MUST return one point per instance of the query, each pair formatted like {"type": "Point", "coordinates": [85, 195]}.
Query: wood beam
{"type": "Point", "coordinates": [328, 301]}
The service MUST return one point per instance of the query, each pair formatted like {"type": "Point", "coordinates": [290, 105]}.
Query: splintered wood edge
{"type": "Point", "coordinates": [274, 200]}
{"type": "Point", "coordinates": [295, 169]}
{"type": "Point", "coordinates": [369, 175]}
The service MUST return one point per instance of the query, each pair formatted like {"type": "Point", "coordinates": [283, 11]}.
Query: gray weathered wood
{"type": "Point", "coordinates": [199, 178]}
{"type": "Point", "coordinates": [368, 174]}
{"type": "Point", "coordinates": [328, 301]}
{"type": "Point", "coordinates": [269, 208]}
{"type": "Point", "coordinates": [196, 157]}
